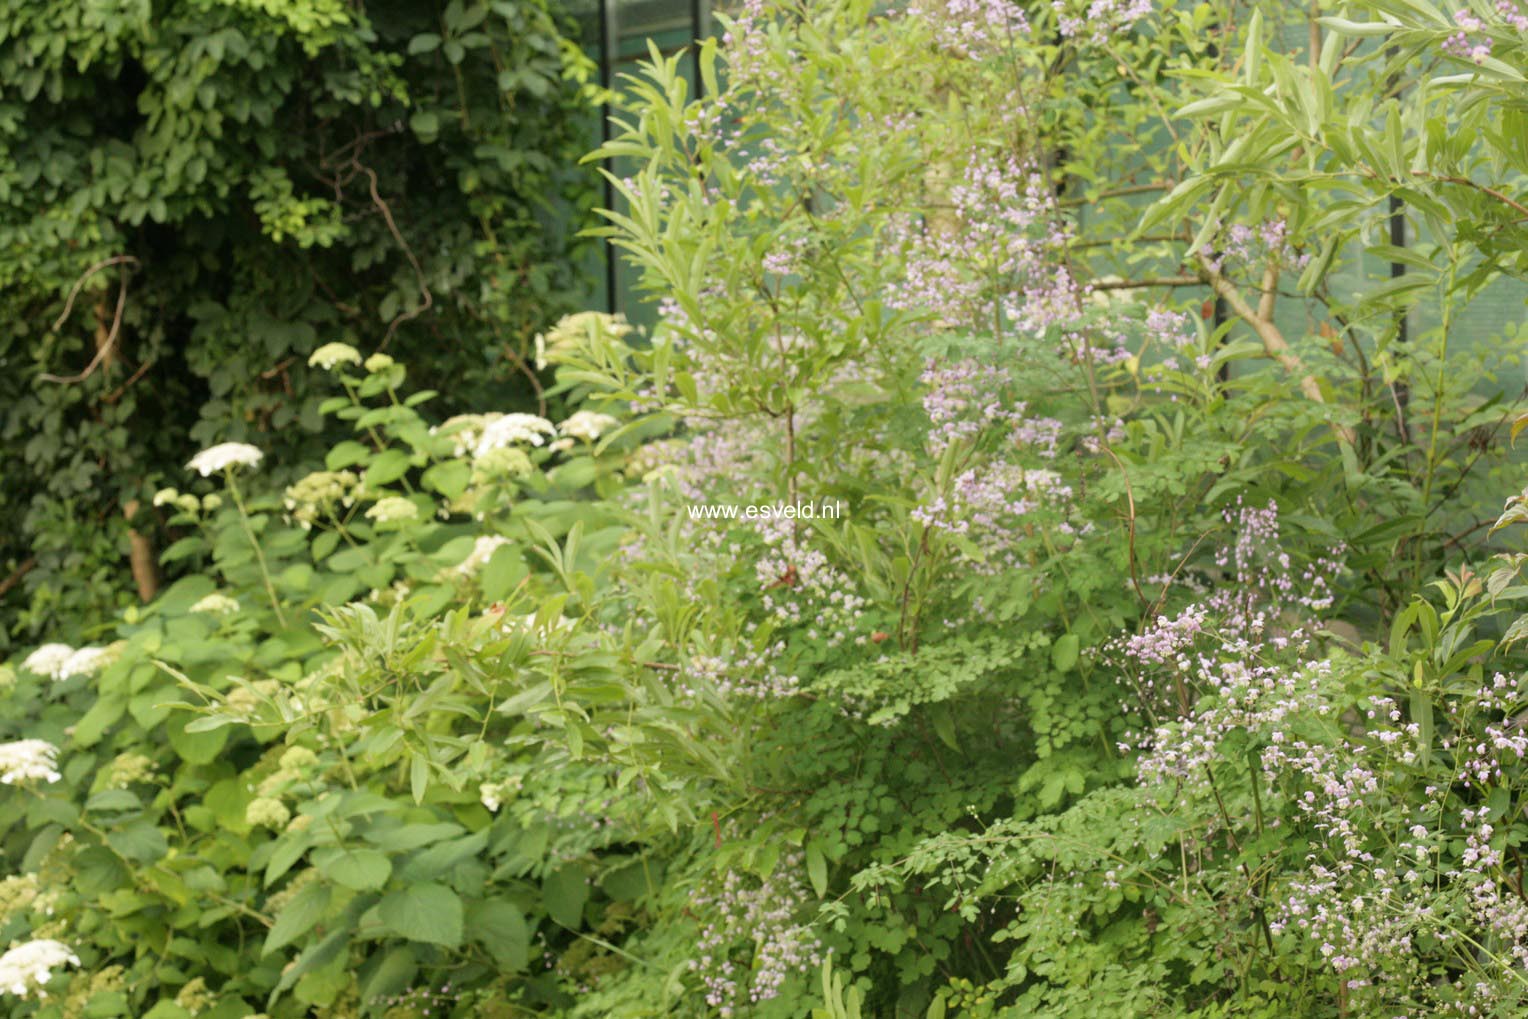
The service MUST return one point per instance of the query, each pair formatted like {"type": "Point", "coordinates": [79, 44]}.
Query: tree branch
{"type": "Point", "coordinates": [104, 345]}
{"type": "Point", "coordinates": [1273, 341]}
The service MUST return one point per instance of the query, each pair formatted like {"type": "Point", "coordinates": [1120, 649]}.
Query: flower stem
{"type": "Point", "coordinates": [265, 573]}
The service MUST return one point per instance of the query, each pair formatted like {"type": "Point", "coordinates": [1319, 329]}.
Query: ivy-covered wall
{"type": "Point", "coordinates": [193, 197]}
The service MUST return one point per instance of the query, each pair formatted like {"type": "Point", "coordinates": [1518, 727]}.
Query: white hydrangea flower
{"type": "Point", "coordinates": [48, 660]}
{"type": "Point", "coordinates": [512, 429]}
{"type": "Point", "coordinates": [25, 969]}
{"type": "Point", "coordinates": [267, 812]}
{"type": "Point", "coordinates": [482, 550]}
{"type": "Point", "coordinates": [223, 456]}
{"type": "Point", "coordinates": [165, 497]}
{"type": "Point", "coordinates": [378, 363]}
{"type": "Point", "coordinates": [84, 662]}
{"type": "Point", "coordinates": [217, 604]}
{"type": "Point", "coordinates": [587, 425]}
{"type": "Point", "coordinates": [464, 429]}
{"type": "Point", "coordinates": [393, 509]}
{"type": "Point", "coordinates": [488, 792]}
{"type": "Point", "coordinates": [27, 759]}
{"type": "Point", "coordinates": [331, 354]}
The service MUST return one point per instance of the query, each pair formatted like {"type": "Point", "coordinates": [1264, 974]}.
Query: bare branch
{"type": "Point", "coordinates": [105, 346]}
{"type": "Point", "coordinates": [1273, 341]}
{"type": "Point", "coordinates": [387, 215]}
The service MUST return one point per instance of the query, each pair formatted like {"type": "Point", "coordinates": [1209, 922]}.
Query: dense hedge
{"type": "Point", "coordinates": [194, 196]}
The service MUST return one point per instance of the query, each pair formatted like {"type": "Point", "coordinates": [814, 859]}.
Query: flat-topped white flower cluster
{"type": "Point", "coordinates": [224, 455]}
{"type": "Point", "coordinates": [60, 661]}
{"type": "Point", "coordinates": [28, 760]}
{"type": "Point", "coordinates": [27, 968]}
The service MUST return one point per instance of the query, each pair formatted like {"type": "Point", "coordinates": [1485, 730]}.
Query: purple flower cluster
{"type": "Point", "coordinates": [1217, 667]}
{"type": "Point", "coordinates": [1389, 870]}
{"type": "Point", "coordinates": [750, 942]}
{"type": "Point", "coordinates": [800, 585]}
{"type": "Point", "coordinates": [964, 399]}
{"type": "Point", "coordinates": [973, 28]}
{"type": "Point", "coordinates": [1266, 242]}
{"type": "Point", "coordinates": [986, 253]}
{"type": "Point", "coordinates": [1468, 43]}
{"type": "Point", "coordinates": [1103, 18]}
{"type": "Point", "coordinates": [1405, 884]}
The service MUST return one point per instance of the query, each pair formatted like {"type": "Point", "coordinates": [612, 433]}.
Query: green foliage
{"type": "Point", "coordinates": [195, 196]}
{"type": "Point", "coordinates": [1094, 682]}
{"type": "Point", "coordinates": [322, 765]}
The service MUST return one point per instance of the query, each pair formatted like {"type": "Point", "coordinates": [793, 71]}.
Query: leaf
{"type": "Point", "coordinates": [1357, 29]}
{"type": "Point", "coordinates": [425, 124]}
{"type": "Point", "coordinates": [419, 778]}
{"type": "Point", "coordinates": [505, 569]}
{"type": "Point", "coordinates": [424, 42]}
{"type": "Point", "coordinates": [298, 917]}
{"type": "Point", "coordinates": [429, 912]}
{"type": "Point", "coordinates": [443, 856]}
{"type": "Point", "coordinates": [103, 714]}
{"type": "Point", "coordinates": [311, 959]}
{"type": "Point", "coordinates": [450, 478]}
{"type": "Point", "coordinates": [1064, 652]}
{"type": "Point", "coordinates": [200, 745]}
{"type": "Point", "coordinates": [346, 454]}
{"type": "Point", "coordinates": [564, 892]}
{"type": "Point", "coordinates": [1211, 106]}
{"type": "Point", "coordinates": [389, 466]}
{"type": "Point", "coordinates": [1422, 715]}
{"type": "Point", "coordinates": [499, 926]}
{"type": "Point", "coordinates": [112, 799]}
{"type": "Point", "coordinates": [394, 973]}
{"type": "Point", "coordinates": [817, 869]}
{"type": "Point", "coordinates": [288, 851]}
{"type": "Point", "coordinates": [357, 869]}
{"type": "Point", "coordinates": [141, 842]}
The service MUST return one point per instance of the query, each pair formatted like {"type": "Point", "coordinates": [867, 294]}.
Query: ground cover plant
{"type": "Point", "coordinates": [1043, 560]}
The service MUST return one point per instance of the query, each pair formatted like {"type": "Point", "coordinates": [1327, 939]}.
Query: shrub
{"type": "Point", "coordinates": [195, 197]}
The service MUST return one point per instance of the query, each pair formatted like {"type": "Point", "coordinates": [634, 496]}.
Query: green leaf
{"type": "Point", "coordinates": [503, 571]}
{"type": "Point", "coordinates": [1064, 652]}
{"type": "Point", "coordinates": [564, 892]}
{"type": "Point", "coordinates": [288, 851]}
{"type": "Point", "coordinates": [424, 42]}
{"type": "Point", "coordinates": [196, 746]}
{"type": "Point", "coordinates": [112, 800]}
{"type": "Point", "coordinates": [429, 912]}
{"type": "Point", "coordinates": [346, 454]}
{"type": "Point", "coordinates": [1211, 106]}
{"type": "Point", "coordinates": [103, 714]}
{"type": "Point", "coordinates": [298, 917]}
{"type": "Point", "coordinates": [450, 479]}
{"type": "Point", "coordinates": [357, 869]}
{"type": "Point", "coordinates": [141, 842]}
{"type": "Point", "coordinates": [499, 926]}
{"type": "Point", "coordinates": [817, 869]}
{"type": "Point", "coordinates": [425, 124]}
{"type": "Point", "coordinates": [389, 466]}
{"type": "Point", "coordinates": [419, 778]}
{"type": "Point", "coordinates": [394, 973]}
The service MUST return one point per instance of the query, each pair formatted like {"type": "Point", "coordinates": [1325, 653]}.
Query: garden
{"type": "Point", "coordinates": [1031, 525]}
